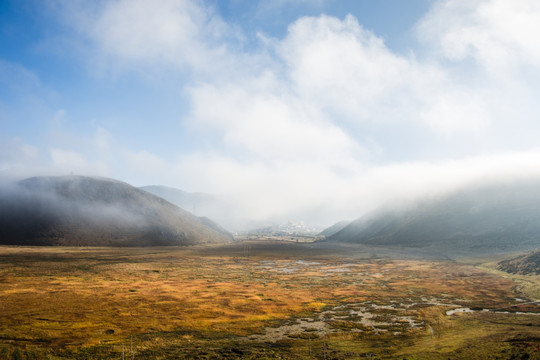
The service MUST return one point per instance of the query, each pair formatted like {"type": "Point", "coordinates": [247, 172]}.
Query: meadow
{"type": "Point", "coordinates": [259, 300]}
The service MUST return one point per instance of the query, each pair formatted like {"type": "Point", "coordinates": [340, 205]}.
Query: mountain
{"type": "Point", "coordinates": [185, 200]}
{"type": "Point", "coordinates": [525, 264]}
{"type": "Point", "coordinates": [337, 227]}
{"type": "Point", "coordinates": [200, 204]}
{"type": "Point", "coordinates": [88, 211]}
{"type": "Point", "coordinates": [490, 218]}
{"type": "Point", "coordinates": [216, 227]}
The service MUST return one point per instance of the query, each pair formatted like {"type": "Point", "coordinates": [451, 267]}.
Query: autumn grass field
{"type": "Point", "coordinates": [258, 300]}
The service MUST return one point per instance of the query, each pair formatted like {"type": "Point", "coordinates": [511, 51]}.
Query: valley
{"type": "Point", "coordinates": [264, 299]}
{"type": "Point", "coordinates": [292, 180]}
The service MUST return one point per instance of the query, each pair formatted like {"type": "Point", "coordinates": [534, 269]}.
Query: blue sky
{"type": "Point", "coordinates": [295, 109]}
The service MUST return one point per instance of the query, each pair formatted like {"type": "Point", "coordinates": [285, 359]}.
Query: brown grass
{"type": "Point", "coordinates": [72, 302]}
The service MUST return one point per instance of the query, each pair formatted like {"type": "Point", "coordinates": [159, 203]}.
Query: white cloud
{"type": "Point", "coordinates": [325, 68]}
{"type": "Point", "coordinates": [68, 158]}
{"type": "Point", "coordinates": [341, 66]}
{"type": "Point", "coordinates": [455, 111]}
{"type": "Point", "coordinates": [499, 35]}
{"type": "Point", "coordinates": [489, 48]}
{"type": "Point", "coordinates": [65, 162]}
{"type": "Point", "coordinates": [313, 192]}
{"type": "Point", "coordinates": [138, 34]}
{"type": "Point", "coordinates": [349, 74]}
{"type": "Point", "coordinates": [14, 153]}
{"type": "Point", "coordinates": [331, 72]}
{"type": "Point", "coordinates": [144, 165]}
{"type": "Point", "coordinates": [266, 123]}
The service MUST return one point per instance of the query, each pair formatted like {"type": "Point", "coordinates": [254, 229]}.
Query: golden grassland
{"type": "Point", "coordinates": [257, 300]}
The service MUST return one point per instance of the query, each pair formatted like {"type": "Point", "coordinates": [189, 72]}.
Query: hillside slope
{"type": "Point", "coordinates": [337, 227]}
{"type": "Point", "coordinates": [489, 218]}
{"type": "Point", "coordinates": [189, 201]}
{"type": "Point", "coordinates": [525, 264]}
{"type": "Point", "coordinates": [200, 204]}
{"type": "Point", "coordinates": [87, 211]}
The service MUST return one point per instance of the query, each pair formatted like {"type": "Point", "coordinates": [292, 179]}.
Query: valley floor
{"type": "Point", "coordinates": [259, 300]}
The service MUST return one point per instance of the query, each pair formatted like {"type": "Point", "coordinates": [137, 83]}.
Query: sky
{"type": "Point", "coordinates": [316, 110]}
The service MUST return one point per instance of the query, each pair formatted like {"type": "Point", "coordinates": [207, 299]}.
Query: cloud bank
{"type": "Point", "coordinates": [323, 124]}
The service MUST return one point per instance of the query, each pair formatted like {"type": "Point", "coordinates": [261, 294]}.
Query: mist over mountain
{"type": "Point", "coordinates": [200, 204]}
{"type": "Point", "coordinates": [237, 213]}
{"type": "Point", "coordinates": [194, 202]}
{"type": "Point", "coordinates": [337, 227]}
{"type": "Point", "coordinates": [487, 218]}
{"type": "Point", "coordinates": [88, 211]}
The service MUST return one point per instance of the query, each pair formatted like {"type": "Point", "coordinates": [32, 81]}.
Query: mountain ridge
{"type": "Point", "coordinates": [92, 211]}
{"type": "Point", "coordinates": [333, 229]}
{"type": "Point", "coordinates": [201, 204]}
{"type": "Point", "coordinates": [498, 217]}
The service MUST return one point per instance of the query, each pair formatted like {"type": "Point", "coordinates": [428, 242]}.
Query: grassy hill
{"type": "Point", "coordinates": [204, 205]}
{"type": "Point", "coordinates": [88, 211]}
{"type": "Point", "coordinates": [185, 200]}
{"type": "Point", "coordinates": [482, 219]}
{"type": "Point", "coordinates": [331, 230]}
{"type": "Point", "coordinates": [525, 264]}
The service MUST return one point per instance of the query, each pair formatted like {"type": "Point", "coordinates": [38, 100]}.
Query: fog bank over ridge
{"type": "Point", "coordinates": [323, 204]}
{"type": "Point", "coordinates": [89, 211]}
{"type": "Point", "coordinates": [487, 218]}
{"type": "Point", "coordinates": [385, 186]}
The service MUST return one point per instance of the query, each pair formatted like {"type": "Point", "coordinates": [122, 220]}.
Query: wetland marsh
{"type": "Point", "coordinates": [275, 301]}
